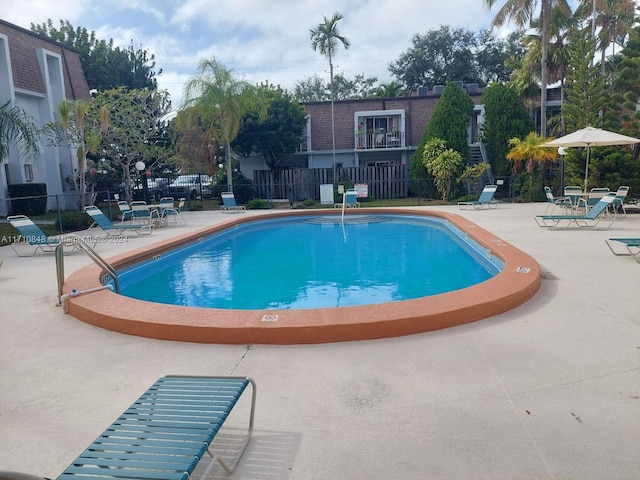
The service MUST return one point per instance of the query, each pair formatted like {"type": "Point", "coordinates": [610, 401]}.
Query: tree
{"type": "Point", "coordinates": [137, 122]}
{"type": "Point", "coordinates": [314, 89]}
{"type": "Point", "coordinates": [586, 90]}
{"type": "Point", "coordinates": [627, 88]}
{"type": "Point", "coordinates": [444, 164]}
{"type": "Point", "coordinates": [82, 132]}
{"type": "Point", "coordinates": [104, 66]}
{"type": "Point", "coordinates": [451, 118]}
{"type": "Point", "coordinates": [325, 39]}
{"type": "Point", "coordinates": [522, 12]}
{"type": "Point", "coordinates": [17, 126]}
{"type": "Point", "coordinates": [217, 100]}
{"type": "Point", "coordinates": [615, 18]}
{"type": "Point", "coordinates": [505, 118]}
{"type": "Point", "coordinates": [531, 152]}
{"type": "Point", "coordinates": [437, 57]}
{"type": "Point", "coordinates": [449, 122]}
{"type": "Point", "coordinates": [448, 54]}
{"type": "Point", "coordinates": [391, 89]}
{"type": "Point", "coordinates": [278, 134]}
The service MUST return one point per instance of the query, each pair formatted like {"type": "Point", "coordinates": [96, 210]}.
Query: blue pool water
{"type": "Point", "coordinates": [314, 262]}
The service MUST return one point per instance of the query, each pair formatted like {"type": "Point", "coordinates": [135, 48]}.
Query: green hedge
{"type": "Point", "coordinates": [28, 206]}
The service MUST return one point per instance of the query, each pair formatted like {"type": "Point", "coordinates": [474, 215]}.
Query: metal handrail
{"type": "Point", "coordinates": [79, 244]}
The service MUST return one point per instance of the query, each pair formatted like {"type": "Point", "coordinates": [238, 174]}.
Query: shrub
{"type": "Point", "coordinates": [28, 206]}
{"type": "Point", "coordinates": [73, 221]}
{"type": "Point", "coordinates": [257, 204]}
{"type": "Point", "coordinates": [309, 202]}
{"type": "Point", "coordinates": [196, 206]}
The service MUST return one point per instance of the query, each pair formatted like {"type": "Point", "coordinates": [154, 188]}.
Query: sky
{"type": "Point", "coordinates": [259, 40]}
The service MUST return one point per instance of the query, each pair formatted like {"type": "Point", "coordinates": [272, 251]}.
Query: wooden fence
{"type": "Point", "coordinates": [304, 183]}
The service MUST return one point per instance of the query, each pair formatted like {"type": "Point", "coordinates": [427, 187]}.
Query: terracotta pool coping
{"type": "Point", "coordinates": [518, 282]}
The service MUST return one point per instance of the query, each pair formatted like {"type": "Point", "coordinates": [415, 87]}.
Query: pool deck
{"type": "Point", "coordinates": [548, 390]}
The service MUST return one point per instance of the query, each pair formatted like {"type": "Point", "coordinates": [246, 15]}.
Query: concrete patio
{"type": "Point", "coordinates": [549, 390]}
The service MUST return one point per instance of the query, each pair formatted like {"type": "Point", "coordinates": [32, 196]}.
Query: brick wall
{"type": "Point", "coordinates": [418, 111]}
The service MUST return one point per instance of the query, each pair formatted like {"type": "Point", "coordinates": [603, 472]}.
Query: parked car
{"type": "Point", "coordinates": [156, 188]}
{"type": "Point", "coordinates": [194, 186]}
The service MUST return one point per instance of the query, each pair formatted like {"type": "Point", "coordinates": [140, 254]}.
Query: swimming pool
{"type": "Point", "coordinates": [516, 282]}
{"type": "Point", "coordinates": [314, 262]}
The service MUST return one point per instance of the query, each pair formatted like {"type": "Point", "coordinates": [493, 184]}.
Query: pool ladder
{"type": "Point", "coordinates": [79, 244]}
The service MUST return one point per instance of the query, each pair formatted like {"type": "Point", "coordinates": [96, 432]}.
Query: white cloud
{"type": "Point", "coordinates": [260, 40]}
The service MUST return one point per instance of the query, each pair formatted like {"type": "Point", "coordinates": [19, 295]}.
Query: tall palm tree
{"type": "Point", "coordinates": [217, 99]}
{"type": "Point", "coordinates": [325, 38]}
{"type": "Point", "coordinates": [614, 18]}
{"type": "Point", "coordinates": [522, 12]}
{"type": "Point", "coordinates": [16, 125]}
{"type": "Point", "coordinates": [561, 24]}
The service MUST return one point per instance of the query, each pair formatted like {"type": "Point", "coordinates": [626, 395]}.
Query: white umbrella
{"type": "Point", "coordinates": [588, 137]}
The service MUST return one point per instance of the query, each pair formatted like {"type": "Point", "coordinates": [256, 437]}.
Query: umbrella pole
{"type": "Point", "coordinates": [586, 171]}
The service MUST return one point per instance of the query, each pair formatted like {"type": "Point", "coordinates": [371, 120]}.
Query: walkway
{"type": "Point", "coordinates": [550, 390]}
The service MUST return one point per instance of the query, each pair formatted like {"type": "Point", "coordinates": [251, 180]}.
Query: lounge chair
{"type": "Point", "coordinates": [618, 203]}
{"type": "Point", "coordinates": [166, 432]}
{"type": "Point", "coordinates": [351, 199]}
{"type": "Point", "coordinates": [592, 218]}
{"type": "Point", "coordinates": [553, 202]}
{"type": "Point", "coordinates": [485, 199]}
{"type": "Point", "coordinates": [101, 220]}
{"type": "Point", "coordinates": [143, 213]}
{"type": "Point", "coordinates": [229, 204]}
{"type": "Point", "coordinates": [125, 210]}
{"type": "Point", "coordinates": [573, 193]}
{"type": "Point", "coordinates": [168, 210]}
{"type": "Point", "coordinates": [31, 235]}
{"type": "Point", "coordinates": [595, 195]}
{"type": "Point", "coordinates": [631, 247]}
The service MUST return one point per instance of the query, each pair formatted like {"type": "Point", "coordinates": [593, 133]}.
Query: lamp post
{"type": "Point", "coordinates": [562, 151]}
{"type": "Point", "coordinates": [140, 166]}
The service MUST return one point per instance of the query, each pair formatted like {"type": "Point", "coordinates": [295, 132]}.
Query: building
{"type": "Point", "coordinates": [369, 132]}
{"type": "Point", "coordinates": [36, 74]}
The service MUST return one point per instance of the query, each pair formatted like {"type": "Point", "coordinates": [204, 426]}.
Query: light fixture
{"type": "Point", "coordinates": [562, 151]}
{"type": "Point", "coordinates": [140, 166]}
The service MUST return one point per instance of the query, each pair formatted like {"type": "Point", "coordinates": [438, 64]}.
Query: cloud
{"type": "Point", "coordinates": [259, 40]}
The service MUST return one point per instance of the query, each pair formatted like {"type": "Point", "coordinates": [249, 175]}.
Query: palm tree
{"type": "Point", "coordinates": [522, 12]}
{"type": "Point", "coordinates": [614, 17]}
{"type": "Point", "coordinates": [391, 89]}
{"type": "Point", "coordinates": [531, 151]}
{"type": "Point", "coordinates": [325, 38]}
{"type": "Point", "coordinates": [561, 25]}
{"type": "Point", "coordinates": [16, 125]}
{"type": "Point", "coordinates": [76, 130]}
{"type": "Point", "coordinates": [216, 99]}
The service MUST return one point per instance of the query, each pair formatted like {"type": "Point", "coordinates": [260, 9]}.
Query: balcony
{"type": "Point", "coordinates": [380, 139]}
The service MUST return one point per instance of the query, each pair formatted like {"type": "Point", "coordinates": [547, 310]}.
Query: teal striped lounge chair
{"type": "Point", "coordinates": [625, 246]}
{"type": "Point", "coordinates": [111, 230]}
{"type": "Point", "coordinates": [31, 236]}
{"type": "Point", "coordinates": [485, 200]}
{"type": "Point", "coordinates": [589, 220]}
{"type": "Point", "coordinates": [165, 433]}
{"type": "Point", "coordinates": [229, 204]}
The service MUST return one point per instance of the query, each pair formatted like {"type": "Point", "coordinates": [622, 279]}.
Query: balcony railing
{"type": "Point", "coordinates": [366, 141]}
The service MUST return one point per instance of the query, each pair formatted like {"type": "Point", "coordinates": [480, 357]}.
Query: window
{"type": "Point", "coordinates": [28, 172]}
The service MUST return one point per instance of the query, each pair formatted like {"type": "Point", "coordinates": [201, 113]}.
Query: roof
{"type": "Point", "coordinates": [27, 74]}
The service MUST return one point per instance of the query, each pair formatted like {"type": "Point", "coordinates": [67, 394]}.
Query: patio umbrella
{"type": "Point", "coordinates": [588, 137]}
